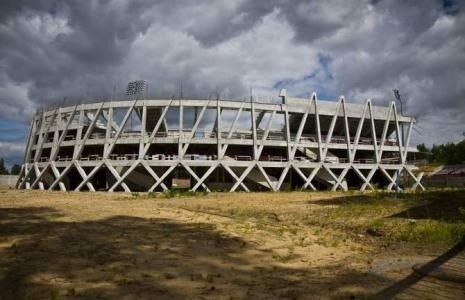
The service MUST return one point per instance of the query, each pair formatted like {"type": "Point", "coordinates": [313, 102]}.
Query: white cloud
{"type": "Point", "coordinates": [257, 58]}
{"type": "Point", "coordinates": [11, 152]}
{"type": "Point", "coordinates": [14, 99]}
{"type": "Point", "coordinates": [361, 49]}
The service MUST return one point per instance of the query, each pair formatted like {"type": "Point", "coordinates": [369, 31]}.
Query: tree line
{"type": "Point", "coordinates": [449, 154]}
{"type": "Point", "coordinates": [15, 169]}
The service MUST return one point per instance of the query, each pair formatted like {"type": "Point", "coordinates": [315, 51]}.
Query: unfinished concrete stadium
{"type": "Point", "coordinates": [228, 145]}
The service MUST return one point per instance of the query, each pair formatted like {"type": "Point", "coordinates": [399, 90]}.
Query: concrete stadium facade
{"type": "Point", "coordinates": [158, 145]}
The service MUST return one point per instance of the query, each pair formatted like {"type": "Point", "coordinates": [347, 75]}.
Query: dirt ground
{"type": "Point", "coordinates": [56, 245]}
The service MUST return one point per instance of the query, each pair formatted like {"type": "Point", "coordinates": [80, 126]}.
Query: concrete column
{"type": "Point", "coordinates": [254, 128]}
{"type": "Point", "coordinates": [77, 144]}
{"type": "Point", "coordinates": [108, 132]}
{"type": "Point", "coordinates": [218, 128]}
{"type": "Point", "coordinates": [318, 129]}
{"type": "Point", "coordinates": [283, 96]}
{"type": "Point", "coordinates": [181, 115]}
{"type": "Point", "coordinates": [143, 131]}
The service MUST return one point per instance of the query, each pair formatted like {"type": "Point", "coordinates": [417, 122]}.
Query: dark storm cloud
{"type": "Point", "coordinates": [68, 48]}
{"type": "Point", "coordinates": [83, 50]}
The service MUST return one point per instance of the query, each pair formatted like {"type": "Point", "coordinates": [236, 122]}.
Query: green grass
{"type": "Point", "coordinates": [284, 258]}
{"type": "Point", "coordinates": [174, 193]}
{"type": "Point", "coordinates": [432, 217]}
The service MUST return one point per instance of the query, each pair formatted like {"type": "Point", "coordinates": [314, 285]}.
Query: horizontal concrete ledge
{"type": "Point", "coordinates": [230, 163]}
{"type": "Point", "coordinates": [212, 141]}
{"type": "Point", "coordinates": [294, 105]}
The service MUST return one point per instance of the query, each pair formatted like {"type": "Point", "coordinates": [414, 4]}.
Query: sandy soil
{"type": "Point", "coordinates": [57, 245]}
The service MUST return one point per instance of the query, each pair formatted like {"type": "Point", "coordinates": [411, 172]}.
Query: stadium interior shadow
{"type": "Point", "coordinates": [49, 257]}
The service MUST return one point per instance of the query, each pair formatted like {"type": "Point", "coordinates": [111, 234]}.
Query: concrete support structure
{"type": "Point", "coordinates": [222, 145]}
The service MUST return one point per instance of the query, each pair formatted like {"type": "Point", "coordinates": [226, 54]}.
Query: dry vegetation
{"type": "Point", "coordinates": [295, 245]}
{"type": "Point", "coordinates": [428, 168]}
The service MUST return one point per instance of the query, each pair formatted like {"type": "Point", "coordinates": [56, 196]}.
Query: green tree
{"type": "Point", "coordinates": [15, 169]}
{"type": "Point", "coordinates": [3, 169]}
{"type": "Point", "coordinates": [449, 153]}
{"type": "Point", "coordinates": [423, 152]}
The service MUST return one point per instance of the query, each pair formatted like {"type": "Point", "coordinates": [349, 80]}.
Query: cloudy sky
{"type": "Point", "coordinates": [85, 50]}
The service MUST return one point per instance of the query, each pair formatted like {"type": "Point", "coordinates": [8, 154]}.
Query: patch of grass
{"type": "Point", "coordinates": [300, 242]}
{"type": "Point", "coordinates": [422, 232]}
{"type": "Point", "coordinates": [431, 217]}
{"type": "Point", "coordinates": [428, 168]}
{"type": "Point", "coordinates": [173, 193]}
{"type": "Point", "coordinates": [54, 295]}
{"type": "Point", "coordinates": [71, 291]}
{"type": "Point", "coordinates": [334, 243]}
{"type": "Point", "coordinates": [246, 213]}
{"type": "Point", "coordinates": [284, 258]}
